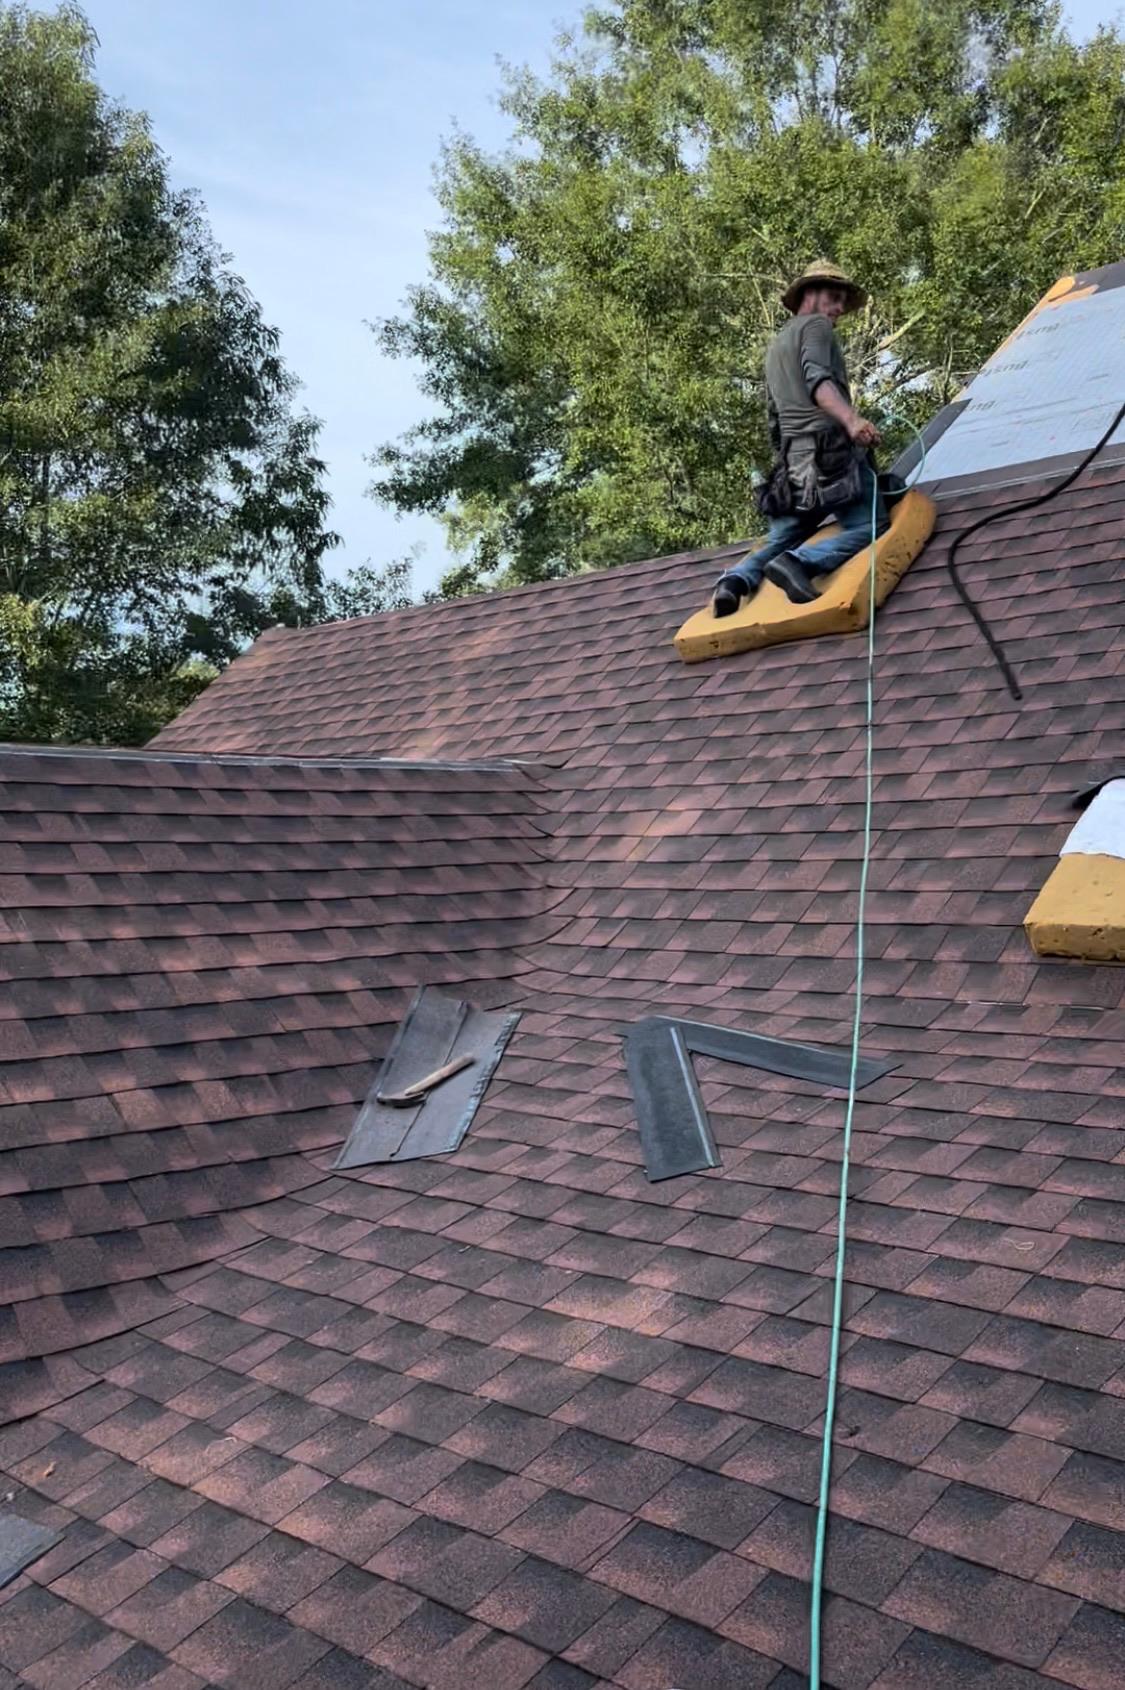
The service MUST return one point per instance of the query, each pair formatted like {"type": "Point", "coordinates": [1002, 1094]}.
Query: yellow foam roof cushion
{"type": "Point", "coordinates": [1081, 910]}
{"type": "Point", "coordinates": [769, 618]}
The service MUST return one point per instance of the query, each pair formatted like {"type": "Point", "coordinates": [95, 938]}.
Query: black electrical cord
{"type": "Point", "coordinates": [963, 593]}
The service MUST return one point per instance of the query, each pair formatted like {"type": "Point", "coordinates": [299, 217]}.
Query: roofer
{"type": "Point", "coordinates": [820, 443]}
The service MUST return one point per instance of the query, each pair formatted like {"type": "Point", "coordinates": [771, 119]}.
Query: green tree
{"type": "Point", "coordinates": [160, 498]}
{"type": "Point", "coordinates": [601, 295]}
{"type": "Point", "coordinates": [365, 591]}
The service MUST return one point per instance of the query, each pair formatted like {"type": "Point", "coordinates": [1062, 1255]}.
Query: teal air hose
{"type": "Point", "coordinates": [817, 1590]}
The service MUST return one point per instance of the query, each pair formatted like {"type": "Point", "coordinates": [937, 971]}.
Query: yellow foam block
{"type": "Point", "coordinates": [1081, 910]}
{"type": "Point", "coordinates": [769, 617]}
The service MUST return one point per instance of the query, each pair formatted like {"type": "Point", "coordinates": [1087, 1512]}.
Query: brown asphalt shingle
{"type": "Point", "coordinates": [516, 1417]}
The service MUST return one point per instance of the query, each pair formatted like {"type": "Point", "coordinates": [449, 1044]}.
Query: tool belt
{"type": "Point", "coordinates": [826, 473]}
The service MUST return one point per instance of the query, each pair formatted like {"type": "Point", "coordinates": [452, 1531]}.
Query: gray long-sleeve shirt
{"type": "Point", "coordinates": [802, 355]}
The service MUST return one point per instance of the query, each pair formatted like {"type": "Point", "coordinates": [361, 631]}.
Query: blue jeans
{"type": "Point", "coordinates": [791, 534]}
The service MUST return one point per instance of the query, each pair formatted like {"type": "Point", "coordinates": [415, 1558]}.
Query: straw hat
{"type": "Point", "coordinates": [826, 274]}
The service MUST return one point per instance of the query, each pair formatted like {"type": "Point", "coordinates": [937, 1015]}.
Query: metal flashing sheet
{"type": "Point", "coordinates": [22, 1542]}
{"type": "Point", "coordinates": [780, 1056]}
{"type": "Point", "coordinates": [435, 1030]}
{"type": "Point", "coordinates": [675, 1132]}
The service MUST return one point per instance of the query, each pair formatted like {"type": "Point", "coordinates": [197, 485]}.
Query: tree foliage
{"type": "Point", "coordinates": [366, 591]}
{"type": "Point", "coordinates": [593, 330]}
{"type": "Point", "coordinates": [160, 499]}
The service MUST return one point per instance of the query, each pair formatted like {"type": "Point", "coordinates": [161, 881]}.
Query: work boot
{"type": "Point", "coordinates": [729, 592]}
{"type": "Point", "coordinates": [790, 574]}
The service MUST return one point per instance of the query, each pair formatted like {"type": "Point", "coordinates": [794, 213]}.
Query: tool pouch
{"type": "Point", "coordinates": [892, 487]}
{"type": "Point", "coordinates": [839, 470]}
{"type": "Point", "coordinates": [774, 496]}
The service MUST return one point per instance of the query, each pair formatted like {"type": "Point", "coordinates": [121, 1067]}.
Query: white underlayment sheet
{"type": "Point", "coordinates": [1051, 390]}
{"type": "Point", "coordinates": [1101, 832]}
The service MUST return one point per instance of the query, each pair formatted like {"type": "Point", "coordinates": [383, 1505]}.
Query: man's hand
{"type": "Point", "coordinates": [861, 432]}
{"type": "Point", "coordinates": [829, 398]}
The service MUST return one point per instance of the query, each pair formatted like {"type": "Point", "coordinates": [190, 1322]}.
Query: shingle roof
{"type": "Point", "coordinates": [201, 960]}
{"type": "Point", "coordinates": [518, 1417]}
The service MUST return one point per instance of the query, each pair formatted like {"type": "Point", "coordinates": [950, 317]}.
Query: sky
{"type": "Point", "coordinates": [311, 129]}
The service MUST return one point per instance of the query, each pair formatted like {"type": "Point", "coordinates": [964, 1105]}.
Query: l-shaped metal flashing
{"type": "Point", "coordinates": [675, 1132]}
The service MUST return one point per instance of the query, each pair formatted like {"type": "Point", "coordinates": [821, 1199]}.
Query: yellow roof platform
{"type": "Point", "coordinates": [769, 618]}
{"type": "Point", "coordinates": [1081, 910]}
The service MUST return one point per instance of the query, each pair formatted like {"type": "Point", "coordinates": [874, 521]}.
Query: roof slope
{"type": "Point", "coordinates": [202, 959]}
{"type": "Point", "coordinates": [517, 1416]}
{"type": "Point", "coordinates": [581, 673]}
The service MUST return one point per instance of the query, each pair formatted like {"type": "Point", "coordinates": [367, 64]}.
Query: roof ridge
{"type": "Point", "coordinates": [155, 754]}
{"type": "Point", "coordinates": [703, 555]}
